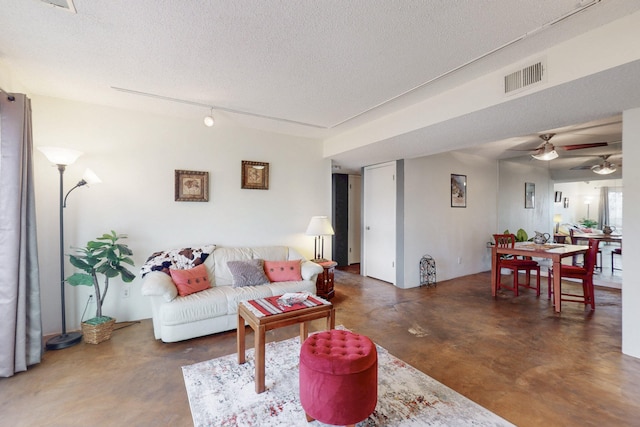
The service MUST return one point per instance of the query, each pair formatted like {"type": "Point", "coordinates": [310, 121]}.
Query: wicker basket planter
{"type": "Point", "coordinates": [98, 329]}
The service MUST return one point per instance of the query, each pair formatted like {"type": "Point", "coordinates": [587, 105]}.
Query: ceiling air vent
{"type": "Point", "coordinates": [524, 77]}
{"type": "Point", "coordinates": [62, 4]}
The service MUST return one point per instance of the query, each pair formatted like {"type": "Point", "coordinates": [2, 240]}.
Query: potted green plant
{"type": "Point", "coordinates": [104, 256]}
{"type": "Point", "coordinates": [588, 223]}
{"type": "Point", "coordinates": [521, 235]}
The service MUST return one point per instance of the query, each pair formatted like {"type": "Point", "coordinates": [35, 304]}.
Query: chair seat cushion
{"type": "Point", "coordinates": [572, 269]}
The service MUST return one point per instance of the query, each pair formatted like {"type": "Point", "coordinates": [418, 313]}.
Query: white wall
{"type": "Point", "coordinates": [578, 193]}
{"type": "Point", "coordinates": [512, 214]}
{"type": "Point", "coordinates": [631, 225]}
{"type": "Point", "coordinates": [135, 155]}
{"type": "Point", "coordinates": [433, 227]}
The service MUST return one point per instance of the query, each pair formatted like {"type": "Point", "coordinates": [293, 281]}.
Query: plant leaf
{"type": "Point", "coordinates": [80, 279]}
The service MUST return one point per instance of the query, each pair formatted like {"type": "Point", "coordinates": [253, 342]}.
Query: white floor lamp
{"type": "Point", "coordinates": [62, 157]}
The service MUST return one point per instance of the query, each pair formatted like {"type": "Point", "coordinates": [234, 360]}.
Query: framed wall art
{"type": "Point", "coordinates": [566, 202]}
{"type": "Point", "coordinates": [191, 186]}
{"type": "Point", "coordinates": [529, 195]}
{"type": "Point", "coordinates": [255, 175]}
{"type": "Point", "coordinates": [458, 191]}
{"type": "Point", "coordinates": [558, 196]}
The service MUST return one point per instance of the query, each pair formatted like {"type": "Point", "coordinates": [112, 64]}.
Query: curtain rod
{"type": "Point", "coordinates": [10, 97]}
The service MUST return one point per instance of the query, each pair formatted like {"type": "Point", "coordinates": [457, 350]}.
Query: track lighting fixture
{"type": "Point", "coordinates": [208, 120]}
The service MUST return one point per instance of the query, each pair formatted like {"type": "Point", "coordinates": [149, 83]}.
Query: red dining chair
{"type": "Point", "coordinates": [616, 251]}
{"type": "Point", "coordinates": [575, 241]}
{"type": "Point", "coordinates": [516, 265]}
{"type": "Point", "coordinates": [583, 273]}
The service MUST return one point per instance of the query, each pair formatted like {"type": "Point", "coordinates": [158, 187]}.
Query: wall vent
{"type": "Point", "coordinates": [62, 4]}
{"type": "Point", "coordinates": [524, 77]}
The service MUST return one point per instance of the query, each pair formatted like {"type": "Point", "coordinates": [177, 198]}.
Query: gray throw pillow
{"type": "Point", "coordinates": [247, 273]}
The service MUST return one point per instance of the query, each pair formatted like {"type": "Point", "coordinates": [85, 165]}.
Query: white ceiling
{"type": "Point", "coordinates": [308, 68]}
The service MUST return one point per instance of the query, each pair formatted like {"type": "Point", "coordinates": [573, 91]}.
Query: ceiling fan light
{"type": "Point", "coordinates": [546, 155]}
{"type": "Point", "coordinates": [604, 169]}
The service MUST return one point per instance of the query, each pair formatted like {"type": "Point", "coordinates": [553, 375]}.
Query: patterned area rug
{"type": "Point", "coordinates": [222, 393]}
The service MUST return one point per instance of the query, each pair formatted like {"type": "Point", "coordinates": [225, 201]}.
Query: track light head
{"type": "Point", "coordinates": [209, 120]}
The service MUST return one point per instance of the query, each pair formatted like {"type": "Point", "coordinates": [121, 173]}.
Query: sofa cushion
{"type": "Point", "coordinates": [283, 271]}
{"type": "Point", "coordinates": [203, 305]}
{"type": "Point", "coordinates": [281, 288]}
{"type": "Point", "coordinates": [222, 256]}
{"type": "Point", "coordinates": [245, 293]}
{"type": "Point", "coordinates": [273, 253]}
{"type": "Point", "coordinates": [191, 280]}
{"type": "Point", "coordinates": [247, 273]}
{"type": "Point", "coordinates": [176, 258]}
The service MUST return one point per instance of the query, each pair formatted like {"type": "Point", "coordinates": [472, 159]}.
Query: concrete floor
{"type": "Point", "coordinates": [513, 356]}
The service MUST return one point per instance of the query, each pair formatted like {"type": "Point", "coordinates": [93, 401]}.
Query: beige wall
{"type": "Point", "coordinates": [447, 234]}
{"type": "Point", "coordinates": [135, 155]}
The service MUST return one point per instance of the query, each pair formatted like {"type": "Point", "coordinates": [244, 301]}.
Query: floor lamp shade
{"type": "Point", "coordinates": [319, 226]}
{"type": "Point", "coordinates": [60, 156]}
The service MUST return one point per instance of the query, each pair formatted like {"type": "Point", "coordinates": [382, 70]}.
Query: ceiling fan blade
{"type": "Point", "coordinates": [582, 146]}
{"type": "Point", "coordinates": [581, 168]}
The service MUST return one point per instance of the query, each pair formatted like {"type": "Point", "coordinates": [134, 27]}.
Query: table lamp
{"type": "Point", "coordinates": [319, 226]}
{"type": "Point", "coordinates": [557, 218]}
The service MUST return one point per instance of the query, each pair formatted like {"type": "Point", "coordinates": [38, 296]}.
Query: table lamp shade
{"type": "Point", "coordinates": [319, 226]}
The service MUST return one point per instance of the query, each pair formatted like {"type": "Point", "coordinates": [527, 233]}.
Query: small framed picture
{"type": "Point", "coordinates": [566, 202]}
{"type": "Point", "coordinates": [458, 191]}
{"type": "Point", "coordinates": [529, 195]}
{"type": "Point", "coordinates": [191, 186]}
{"type": "Point", "coordinates": [558, 196]}
{"type": "Point", "coordinates": [255, 175]}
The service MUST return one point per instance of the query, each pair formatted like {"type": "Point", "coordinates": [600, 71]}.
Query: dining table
{"type": "Point", "coordinates": [552, 251]}
{"type": "Point", "coordinates": [579, 237]}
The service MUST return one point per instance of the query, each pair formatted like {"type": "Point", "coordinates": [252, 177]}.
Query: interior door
{"type": "Point", "coordinates": [380, 222]}
{"type": "Point", "coordinates": [355, 218]}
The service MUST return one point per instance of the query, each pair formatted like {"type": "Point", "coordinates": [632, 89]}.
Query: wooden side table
{"type": "Point", "coordinates": [324, 284]}
{"type": "Point", "coordinates": [262, 324]}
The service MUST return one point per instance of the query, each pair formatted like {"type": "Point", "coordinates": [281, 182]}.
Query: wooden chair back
{"type": "Point", "coordinates": [505, 240]}
{"type": "Point", "coordinates": [590, 256]}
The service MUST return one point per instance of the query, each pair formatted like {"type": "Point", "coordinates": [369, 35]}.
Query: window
{"type": "Point", "coordinates": [615, 206]}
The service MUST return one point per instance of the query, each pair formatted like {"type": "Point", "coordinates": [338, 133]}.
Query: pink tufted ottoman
{"type": "Point", "coordinates": [338, 377]}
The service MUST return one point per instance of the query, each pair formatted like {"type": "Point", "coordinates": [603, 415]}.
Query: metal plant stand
{"type": "Point", "coordinates": [427, 271]}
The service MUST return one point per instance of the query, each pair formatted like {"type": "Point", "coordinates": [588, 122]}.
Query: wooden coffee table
{"type": "Point", "coordinates": [261, 323]}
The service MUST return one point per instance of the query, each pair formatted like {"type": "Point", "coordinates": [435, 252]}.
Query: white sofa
{"type": "Point", "coordinates": [177, 318]}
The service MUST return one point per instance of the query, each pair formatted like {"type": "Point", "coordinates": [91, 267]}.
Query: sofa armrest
{"type": "Point", "coordinates": [157, 283]}
{"type": "Point", "coordinates": [309, 269]}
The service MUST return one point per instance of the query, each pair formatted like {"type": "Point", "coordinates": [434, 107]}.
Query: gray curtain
{"type": "Point", "coordinates": [20, 321]}
{"type": "Point", "coordinates": [603, 212]}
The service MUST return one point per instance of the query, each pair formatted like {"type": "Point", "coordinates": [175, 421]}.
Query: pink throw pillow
{"type": "Point", "coordinates": [192, 280]}
{"type": "Point", "coordinates": [283, 271]}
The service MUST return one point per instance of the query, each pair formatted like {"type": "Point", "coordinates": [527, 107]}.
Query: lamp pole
{"type": "Point", "coordinates": [65, 339]}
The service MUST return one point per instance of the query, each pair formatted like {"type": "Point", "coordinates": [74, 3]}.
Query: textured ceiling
{"type": "Point", "coordinates": [317, 68]}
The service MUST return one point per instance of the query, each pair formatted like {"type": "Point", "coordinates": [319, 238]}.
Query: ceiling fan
{"type": "Point", "coordinates": [547, 151]}
{"type": "Point", "coordinates": [603, 168]}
